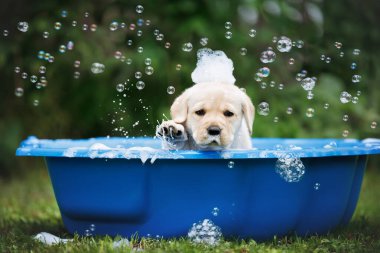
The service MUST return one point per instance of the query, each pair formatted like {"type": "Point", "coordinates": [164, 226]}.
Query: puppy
{"type": "Point", "coordinates": [209, 116]}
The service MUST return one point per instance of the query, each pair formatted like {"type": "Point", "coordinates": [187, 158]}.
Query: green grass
{"type": "Point", "coordinates": [27, 207]}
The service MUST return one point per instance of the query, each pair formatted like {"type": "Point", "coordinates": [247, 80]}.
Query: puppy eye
{"type": "Point", "coordinates": [228, 113]}
{"type": "Point", "coordinates": [200, 112]}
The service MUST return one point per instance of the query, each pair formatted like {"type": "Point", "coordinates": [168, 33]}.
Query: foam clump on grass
{"type": "Point", "coordinates": [205, 232]}
{"type": "Point", "coordinates": [213, 66]}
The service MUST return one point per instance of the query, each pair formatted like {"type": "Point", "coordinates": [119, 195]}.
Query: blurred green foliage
{"type": "Point", "coordinates": [85, 107]}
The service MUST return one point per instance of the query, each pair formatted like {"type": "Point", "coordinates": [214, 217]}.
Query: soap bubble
{"type": "Point", "coordinates": [310, 112]}
{"type": "Point", "coordinates": [355, 100]}
{"type": "Point", "coordinates": [203, 41]}
{"type": "Point", "coordinates": [97, 68]}
{"type": "Point", "coordinates": [215, 211]}
{"type": "Point", "coordinates": [356, 78]}
{"type": "Point", "coordinates": [178, 67]}
{"type": "Point", "coordinates": [316, 186]}
{"type": "Point", "coordinates": [149, 70]}
{"type": "Point", "coordinates": [205, 232]}
{"type": "Point", "coordinates": [140, 49]}
{"type": "Point", "coordinates": [290, 168]}
{"type": "Point", "coordinates": [84, 27]}
{"type": "Point", "coordinates": [77, 64]}
{"type": "Point", "coordinates": [263, 85]}
{"type": "Point", "coordinates": [268, 56]}
{"type": "Point", "coordinates": [328, 60]}
{"type": "Point", "coordinates": [33, 79]}
{"type": "Point", "coordinates": [187, 47]}
{"type": "Point", "coordinates": [92, 227]}
{"type": "Point", "coordinates": [118, 55]}
{"type": "Point", "coordinates": [345, 97]}
{"type": "Point", "coordinates": [353, 65]}
{"type": "Point", "coordinates": [62, 49]}
{"type": "Point", "coordinates": [139, 9]}
{"type": "Point", "coordinates": [74, 23]}
{"type": "Point", "coordinates": [310, 95]}
{"type": "Point", "coordinates": [167, 44]}
{"type": "Point", "coordinates": [129, 61]}
{"type": "Point", "coordinates": [231, 164]}
{"type": "Point", "coordinates": [76, 74]}
{"type": "Point", "coordinates": [252, 33]}
{"type": "Point", "coordinates": [120, 87]}
{"type": "Point", "coordinates": [289, 110]}
{"type": "Point", "coordinates": [291, 61]}
{"type": "Point", "coordinates": [345, 133]}
{"type": "Point", "coordinates": [326, 106]}
{"type": "Point", "coordinates": [284, 44]}
{"type": "Point", "coordinates": [70, 45]}
{"type": "Point", "coordinates": [19, 92]}
{"type": "Point", "coordinates": [358, 93]}
{"type": "Point", "coordinates": [114, 26]}
{"type": "Point", "coordinates": [17, 69]}
{"type": "Point", "coordinates": [5, 33]}
{"type": "Point", "coordinates": [170, 90]}
{"type": "Point", "coordinates": [243, 51]}
{"type": "Point", "coordinates": [160, 37]}
{"type": "Point", "coordinates": [308, 84]}
{"type": "Point", "coordinates": [341, 54]}
{"type": "Point", "coordinates": [356, 51]}
{"type": "Point", "coordinates": [373, 124]}
{"type": "Point", "coordinates": [228, 35]}
{"type": "Point", "coordinates": [45, 35]}
{"type": "Point", "coordinates": [138, 74]}
{"type": "Point", "coordinates": [228, 25]}
{"type": "Point", "coordinates": [57, 26]}
{"type": "Point", "coordinates": [140, 22]}
{"type": "Point", "coordinates": [323, 57]}
{"type": "Point", "coordinates": [272, 84]}
{"type": "Point", "coordinates": [23, 26]}
{"type": "Point", "coordinates": [299, 44]}
{"type": "Point", "coordinates": [24, 75]}
{"type": "Point", "coordinates": [140, 85]}
{"type": "Point", "coordinates": [263, 72]}
{"type": "Point", "coordinates": [338, 45]}
{"type": "Point", "coordinates": [36, 102]}
{"type": "Point", "coordinates": [274, 39]}
{"type": "Point", "coordinates": [275, 119]}
{"type": "Point", "coordinates": [87, 232]}
{"type": "Point", "coordinates": [93, 27]}
{"type": "Point", "coordinates": [86, 14]}
{"type": "Point", "coordinates": [63, 13]}
{"type": "Point", "coordinates": [132, 27]}
{"type": "Point", "coordinates": [345, 117]}
{"type": "Point", "coordinates": [148, 61]}
{"type": "Point", "coordinates": [263, 109]}
{"type": "Point", "coordinates": [139, 33]}
{"type": "Point", "coordinates": [129, 42]}
{"type": "Point", "coordinates": [147, 22]}
{"type": "Point", "coordinates": [280, 86]}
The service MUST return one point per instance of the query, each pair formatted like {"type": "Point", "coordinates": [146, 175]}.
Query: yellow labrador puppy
{"type": "Point", "coordinates": [211, 116]}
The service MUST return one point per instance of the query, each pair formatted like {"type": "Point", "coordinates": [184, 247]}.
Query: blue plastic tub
{"type": "Point", "coordinates": [124, 189]}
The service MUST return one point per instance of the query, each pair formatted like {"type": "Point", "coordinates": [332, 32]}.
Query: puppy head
{"type": "Point", "coordinates": [213, 113]}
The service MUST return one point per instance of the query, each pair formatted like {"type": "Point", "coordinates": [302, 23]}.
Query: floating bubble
{"type": "Point", "coordinates": [275, 119]}
{"type": "Point", "coordinates": [17, 69]}
{"type": "Point", "coordinates": [77, 64]}
{"type": "Point", "coordinates": [51, 59]}
{"type": "Point", "coordinates": [147, 22]}
{"type": "Point", "coordinates": [187, 47]}
{"type": "Point", "coordinates": [36, 102]}
{"type": "Point", "coordinates": [140, 22]}
{"type": "Point", "coordinates": [92, 227]}
{"type": "Point", "coordinates": [129, 61]}
{"type": "Point", "coordinates": [328, 60]}
{"type": "Point", "coordinates": [345, 133]}
{"type": "Point", "coordinates": [39, 85]}
{"type": "Point", "coordinates": [129, 42]}
{"type": "Point", "coordinates": [156, 32]}
{"type": "Point", "coordinates": [139, 9]}
{"type": "Point", "coordinates": [228, 35]}
{"type": "Point", "coordinates": [138, 74]}
{"type": "Point", "coordinates": [120, 87]}
{"type": "Point", "coordinates": [63, 13]}
{"type": "Point", "coordinates": [252, 33]}
{"type": "Point", "coordinates": [291, 61]}
{"type": "Point", "coordinates": [373, 124]}
{"type": "Point", "coordinates": [97, 68]}
{"type": "Point", "coordinates": [203, 41]}
{"type": "Point", "coordinates": [5, 33]}
{"type": "Point", "coordinates": [23, 26]}
{"type": "Point", "coordinates": [299, 44]}
{"type": "Point", "coordinates": [330, 145]}
{"type": "Point", "coordinates": [57, 26]}
{"type": "Point", "coordinates": [284, 44]}
{"type": "Point", "coordinates": [338, 45]}
{"type": "Point", "coordinates": [280, 86]}
{"type": "Point", "coordinates": [356, 51]}
{"type": "Point", "coordinates": [272, 84]}
{"type": "Point", "coordinates": [160, 37]}
{"type": "Point", "coordinates": [62, 49]}
{"type": "Point", "coordinates": [33, 79]}
{"type": "Point", "coordinates": [149, 70]}
{"type": "Point", "coordinates": [290, 168]}
{"type": "Point", "coordinates": [263, 72]}
{"type": "Point", "coordinates": [316, 186]}
{"type": "Point", "coordinates": [178, 67]}
{"type": "Point", "coordinates": [257, 77]}
{"type": "Point", "coordinates": [356, 78]}
{"type": "Point", "coordinates": [341, 54]}
{"type": "Point", "coordinates": [326, 106]}
{"type": "Point", "coordinates": [87, 232]}
{"type": "Point", "coordinates": [268, 56]}
{"type": "Point", "coordinates": [139, 33]}
{"type": "Point", "coordinates": [205, 232]}
{"type": "Point", "coordinates": [140, 49]}
{"type": "Point", "coordinates": [308, 84]}
{"type": "Point", "coordinates": [263, 85]}
{"type": "Point", "coordinates": [132, 27]}
{"type": "Point", "coordinates": [243, 51]}
{"type": "Point", "coordinates": [45, 35]}
{"type": "Point", "coordinates": [140, 85]}
{"type": "Point", "coordinates": [345, 117]}
{"type": "Point", "coordinates": [274, 39]}
{"type": "Point", "coordinates": [93, 27]}
{"type": "Point", "coordinates": [86, 14]}
{"type": "Point", "coordinates": [76, 74]}
{"type": "Point", "coordinates": [114, 26]}
{"type": "Point", "coordinates": [118, 55]}
{"type": "Point", "coordinates": [345, 97]}
{"type": "Point", "coordinates": [231, 164]}
{"type": "Point", "coordinates": [323, 57]}
{"type": "Point", "coordinates": [122, 25]}
{"type": "Point", "coordinates": [19, 92]}
{"type": "Point", "coordinates": [74, 23]}
{"type": "Point", "coordinates": [263, 109]}
{"type": "Point", "coordinates": [24, 75]}
{"type": "Point", "coordinates": [228, 25]}
{"type": "Point", "coordinates": [170, 90]}
{"type": "Point", "coordinates": [148, 61]}
{"type": "Point", "coordinates": [310, 95]}
{"type": "Point", "coordinates": [310, 112]}
{"type": "Point", "coordinates": [358, 93]}
{"type": "Point", "coordinates": [353, 65]}
{"type": "Point", "coordinates": [355, 100]}
{"type": "Point", "coordinates": [289, 110]}
{"type": "Point", "coordinates": [167, 44]}
{"type": "Point", "coordinates": [70, 45]}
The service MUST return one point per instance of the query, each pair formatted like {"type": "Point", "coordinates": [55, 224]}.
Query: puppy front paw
{"type": "Point", "coordinates": [169, 130]}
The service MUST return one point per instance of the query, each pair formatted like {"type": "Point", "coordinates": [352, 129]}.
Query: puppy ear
{"type": "Point", "coordinates": [248, 112]}
{"type": "Point", "coordinates": [178, 110]}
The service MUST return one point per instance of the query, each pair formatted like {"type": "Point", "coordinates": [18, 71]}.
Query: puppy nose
{"type": "Point", "coordinates": [213, 130]}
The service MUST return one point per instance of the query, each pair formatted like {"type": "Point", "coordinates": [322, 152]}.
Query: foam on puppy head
{"type": "Point", "coordinates": [213, 66]}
